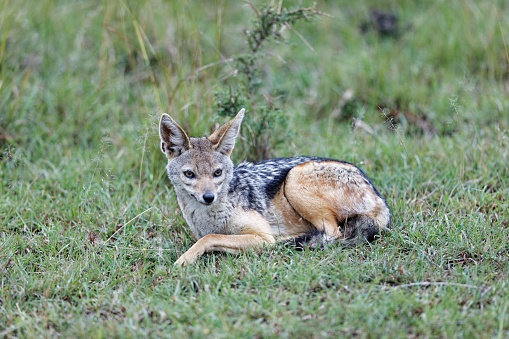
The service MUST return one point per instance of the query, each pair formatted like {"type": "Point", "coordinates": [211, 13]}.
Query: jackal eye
{"type": "Point", "coordinates": [218, 172]}
{"type": "Point", "coordinates": [189, 174]}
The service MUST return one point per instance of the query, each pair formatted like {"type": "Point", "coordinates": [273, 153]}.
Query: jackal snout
{"type": "Point", "coordinates": [205, 190]}
{"type": "Point", "coordinates": [208, 197]}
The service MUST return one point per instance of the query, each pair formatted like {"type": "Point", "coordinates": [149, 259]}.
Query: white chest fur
{"type": "Point", "coordinates": [205, 219]}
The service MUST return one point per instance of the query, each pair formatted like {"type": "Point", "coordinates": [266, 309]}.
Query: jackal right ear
{"type": "Point", "coordinates": [174, 141]}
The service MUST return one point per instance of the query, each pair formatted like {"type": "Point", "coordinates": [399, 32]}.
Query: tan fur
{"type": "Point", "coordinates": [328, 193]}
{"type": "Point", "coordinates": [248, 230]}
{"type": "Point", "coordinates": [284, 215]}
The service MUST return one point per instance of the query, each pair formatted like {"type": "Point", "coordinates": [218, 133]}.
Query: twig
{"type": "Point", "coordinates": [434, 283]}
{"type": "Point", "coordinates": [253, 8]}
{"type": "Point", "coordinates": [300, 37]}
{"type": "Point", "coordinates": [127, 223]}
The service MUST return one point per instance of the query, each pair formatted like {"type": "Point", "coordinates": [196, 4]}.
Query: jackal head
{"type": "Point", "coordinates": [199, 167]}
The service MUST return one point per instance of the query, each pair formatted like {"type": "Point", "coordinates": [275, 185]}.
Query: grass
{"type": "Point", "coordinates": [89, 226]}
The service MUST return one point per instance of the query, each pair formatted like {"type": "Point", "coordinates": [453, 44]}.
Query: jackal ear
{"type": "Point", "coordinates": [224, 137]}
{"type": "Point", "coordinates": [174, 141]}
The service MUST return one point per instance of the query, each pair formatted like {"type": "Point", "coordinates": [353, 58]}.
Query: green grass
{"type": "Point", "coordinates": [89, 225]}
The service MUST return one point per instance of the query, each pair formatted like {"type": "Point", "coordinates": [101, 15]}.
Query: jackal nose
{"type": "Point", "coordinates": [208, 198]}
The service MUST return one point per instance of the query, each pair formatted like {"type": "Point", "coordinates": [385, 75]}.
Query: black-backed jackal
{"type": "Point", "coordinates": [308, 200]}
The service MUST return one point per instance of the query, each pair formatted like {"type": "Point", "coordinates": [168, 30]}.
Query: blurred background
{"type": "Point", "coordinates": [77, 73]}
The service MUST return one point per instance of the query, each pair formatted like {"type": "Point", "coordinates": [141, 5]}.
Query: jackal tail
{"type": "Point", "coordinates": [357, 230]}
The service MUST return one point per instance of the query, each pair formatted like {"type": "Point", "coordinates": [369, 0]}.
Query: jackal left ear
{"type": "Point", "coordinates": [174, 141]}
{"type": "Point", "coordinates": [224, 137]}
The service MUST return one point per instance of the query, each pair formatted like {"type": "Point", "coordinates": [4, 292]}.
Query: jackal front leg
{"type": "Point", "coordinates": [223, 243]}
{"type": "Point", "coordinates": [247, 229]}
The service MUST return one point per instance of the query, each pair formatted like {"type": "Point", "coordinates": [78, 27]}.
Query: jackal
{"type": "Point", "coordinates": [309, 201]}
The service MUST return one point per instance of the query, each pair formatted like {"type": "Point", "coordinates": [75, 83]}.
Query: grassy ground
{"type": "Point", "coordinates": [89, 227]}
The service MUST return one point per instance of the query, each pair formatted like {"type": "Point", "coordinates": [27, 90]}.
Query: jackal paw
{"type": "Point", "coordinates": [184, 260]}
